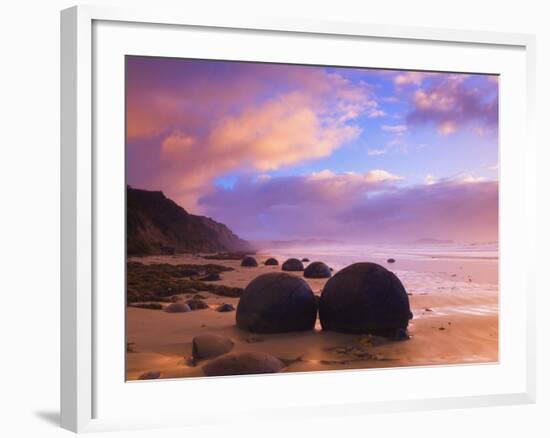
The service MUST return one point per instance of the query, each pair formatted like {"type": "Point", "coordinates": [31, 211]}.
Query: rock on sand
{"type": "Point", "coordinates": [276, 303]}
{"type": "Point", "coordinates": [225, 307]}
{"type": "Point", "coordinates": [249, 261]}
{"type": "Point", "coordinates": [243, 363]}
{"type": "Point", "coordinates": [213, 276]}
{"type": "Point", "coordinates": [364, 298]}
{"type": "Point", "coordinates": [317, 270]}
{"type": "Point", "coordinates": [209, 346]}
{"type": "Point", "coordinates": [150, 375]}
{"type": "Point", "coordinates": [293, 265]}
{"type": "Point", "coordinates": [271, 262]}
{"type": "Point", "coordinates": [177, 308]}
{"type": "Point", "coordinates": [195, 304]}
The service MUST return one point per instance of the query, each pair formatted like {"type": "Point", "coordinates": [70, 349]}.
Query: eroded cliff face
{"type": "Point", "coordinates": [157, 225]}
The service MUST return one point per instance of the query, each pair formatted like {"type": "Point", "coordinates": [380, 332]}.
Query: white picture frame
{"type": "Point", "coordinates": [83, 374]}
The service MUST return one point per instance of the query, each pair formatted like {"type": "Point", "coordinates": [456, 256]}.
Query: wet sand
{"type": "Point", "coordinates": [454, 303]}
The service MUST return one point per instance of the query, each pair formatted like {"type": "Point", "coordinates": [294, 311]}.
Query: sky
{"type": "Point", "coordinates": [286, 152]}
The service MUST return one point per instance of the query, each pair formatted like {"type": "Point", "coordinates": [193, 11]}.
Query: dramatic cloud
{"type": "Point", "coordinates": [357, 207]}
{"type": "Point", "coordinates": [245, 117]}
{"type": "Point", "coordinates": [450, 104]}
{"type": "Point", "coordinates": [462, 210]}
{"type": "Point", "coordinates": [246, 143]}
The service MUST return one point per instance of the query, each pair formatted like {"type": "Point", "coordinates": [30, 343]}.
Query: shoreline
{"type": "Point", "coordinates": [455, 322]}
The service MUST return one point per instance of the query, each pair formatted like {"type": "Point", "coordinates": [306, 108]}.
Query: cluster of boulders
{"type": "Point", "coordinates": [363, 298]}
{"type": "Point", "coordinates": [313, 270]}
{"type": "Point", "coordinates": [225, 363]}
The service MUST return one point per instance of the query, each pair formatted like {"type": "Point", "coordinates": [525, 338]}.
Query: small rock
{"type": "Point", "coordinates": [175, 298]}
{"type": "Point", "coordinates": [149, 306]}
{"type": "Point", "coordinates": [209, 346]}
{"type": "Point", "coordinates": [391, 260]}
{"type": "Point", "coordinates": [249, 262]}
{"type": "Point", "coordinates": [177, 308]}
{"type": "Point", "coordinates": [199, 297]}
{"type": "Point", "coordinates": [150, 375]}
{"type": "Point", "coordinates": [188, 272]}
{"type": "Point", "coordinates": [305, 259]}
{"type": "Point", "coordinates": [271, 262]}
{"type": "Point", "coordinates": [196, 304]}
{"type": "Point", "coordinates": [427, 309]}
{"type": "Point", "coordinates": [243, 363]}
{"type": "Point", "coordinates": [225, 307]}
{"type": "Point", "coordinates": [441, 328]}
{"type": "Point", "coordinates": [213, 276]}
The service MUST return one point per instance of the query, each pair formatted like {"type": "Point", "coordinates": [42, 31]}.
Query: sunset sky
{"type": "Point", "coordinates": [299, 152]}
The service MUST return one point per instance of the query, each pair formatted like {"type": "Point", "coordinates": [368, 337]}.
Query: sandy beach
{"type": "Point", "coordinates": [454, 300]}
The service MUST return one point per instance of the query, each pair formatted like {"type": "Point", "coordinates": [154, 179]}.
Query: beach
{"type": "Point", "coordinates": [453, 294]}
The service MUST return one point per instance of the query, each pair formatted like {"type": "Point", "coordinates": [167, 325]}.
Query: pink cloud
{"type": "Point", "coordinates": [264, 118]}
{"type": "Point", "coordinates": [409, 77]}
{"type": "Point", "coordinates": [450, 104]}
{"type": "Point", "coordinates": [358, 207]}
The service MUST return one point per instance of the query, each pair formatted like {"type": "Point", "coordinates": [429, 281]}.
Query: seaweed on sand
{"type": "Point", "coordinates": [156, 282]}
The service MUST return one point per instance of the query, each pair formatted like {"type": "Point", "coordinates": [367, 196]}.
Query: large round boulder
{"type": "Point", "coordinates": [317, 270]}
{"type": "Point", "coordinates": [293, 265]}
{"type": "Point", "coordinates": [276, 303]}
{"type": "Point", "coordinates": [365, 298]}
{"type": "Point", "coordinates": [271, 262]}
{"type": "Point", "coordinates": [232, 364]}
{"type": "Point", "coordinates": [249, 262]}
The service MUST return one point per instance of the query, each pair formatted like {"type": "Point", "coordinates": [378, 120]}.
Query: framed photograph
{"type": "Point", "coordinates": [259, 208]}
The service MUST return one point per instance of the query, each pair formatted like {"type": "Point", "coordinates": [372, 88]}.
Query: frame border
{"type": "Point", "coordinates": [77, 196]}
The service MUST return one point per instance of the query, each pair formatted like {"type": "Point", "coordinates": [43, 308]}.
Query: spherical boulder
{"type": "Point", "coordinates": [232, 364]}
{"type": "Point", "coordinates": [293, 265]}
{"type": "Point", "coordinates": [276, 303]}
{"type": "Point", "coordinates": [177, 307]}
{"type": "Point", "coordinates": [364, 298]}
{"type": "Point", "coordinates": [249, 262]}
{"type": "Point", "coordinates": [317, 270]}
{"type": "Point", "coordinates": [271, 262]}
